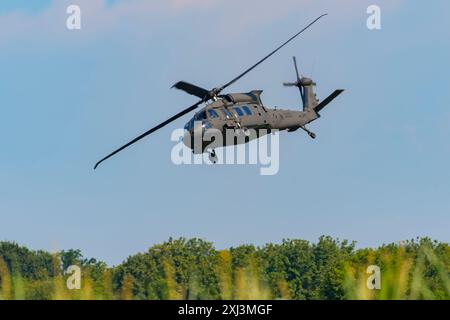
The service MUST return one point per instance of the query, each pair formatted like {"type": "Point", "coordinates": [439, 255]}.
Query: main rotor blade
{"type": "Point", "coordinates": [191, 89]}
{"type": "Point", "coordinates": [267, 57]}
{"type": "Point", "coordinates": [159, 126]}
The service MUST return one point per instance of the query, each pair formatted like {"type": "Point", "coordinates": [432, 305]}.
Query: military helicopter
{"type": "Point", "coordinates": [243, 111]}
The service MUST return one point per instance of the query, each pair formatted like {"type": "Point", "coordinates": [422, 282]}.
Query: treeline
{"type": "Point", "coordinates": [194, 269]}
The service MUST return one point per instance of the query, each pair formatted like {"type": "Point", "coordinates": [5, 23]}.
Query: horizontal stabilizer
{"type": "Point", "coordinates": [330, 98]}
{"type": "Point", "coordinates": [191, 89]}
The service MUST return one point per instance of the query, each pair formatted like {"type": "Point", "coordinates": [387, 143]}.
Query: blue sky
{"type": "Point", "coordinates": [377, 173]}
{"type": "Point", "coordinates": [24, 5]}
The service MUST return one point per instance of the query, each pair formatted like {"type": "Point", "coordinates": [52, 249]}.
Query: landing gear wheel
{"type": "Point", "coordinates": [311, 134]}
{"type": "Point", "coordinates": [213, 156]}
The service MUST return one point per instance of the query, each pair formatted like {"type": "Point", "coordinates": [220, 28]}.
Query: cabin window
{"type": "Point", "coordinates": [227, 113]}
{"type": "Point", "coordinates": [213, 113]}
{"type": "Point", "coordinates": [247, 110]}
{"type": "Point", "coordinates": [239, 111]}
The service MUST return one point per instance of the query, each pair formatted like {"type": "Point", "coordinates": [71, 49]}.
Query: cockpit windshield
{"type": "Point", "coordinates": [200, 116]}
{"type": "Point", "coordinates": [189, 125]}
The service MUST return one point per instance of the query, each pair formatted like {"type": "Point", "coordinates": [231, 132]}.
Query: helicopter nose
{"type": "Point", "coordinates": [190, 138]}
{"type": "Point", "coordinates": [187, 139]}
{"type": "Point", "coordinates": [195, 133]}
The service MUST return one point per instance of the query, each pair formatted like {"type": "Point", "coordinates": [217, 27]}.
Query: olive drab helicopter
{"type": "Point", "coordinates": [243, 112]}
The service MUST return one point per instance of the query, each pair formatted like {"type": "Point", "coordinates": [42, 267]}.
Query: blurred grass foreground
{"type": "Point", "coordinates": [194, 269]}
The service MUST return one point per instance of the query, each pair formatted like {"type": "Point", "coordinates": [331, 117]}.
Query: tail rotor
{"type": "Point", "coordinates": [298, 83]}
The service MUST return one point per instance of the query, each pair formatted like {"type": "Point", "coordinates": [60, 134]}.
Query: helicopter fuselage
{"type": "Point", "coordinates": [245, 115]}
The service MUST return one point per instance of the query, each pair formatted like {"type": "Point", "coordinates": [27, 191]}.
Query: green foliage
{"type": "Point", "coordinates": [176, 269]}
{"type": "Point", "coordinates": [34, 265]}
{"type": "Point", "coordinates": [194, 269]}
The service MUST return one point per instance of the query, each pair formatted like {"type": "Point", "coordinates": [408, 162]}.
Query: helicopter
{"type": "Point", "coordinates": [244, 113]}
